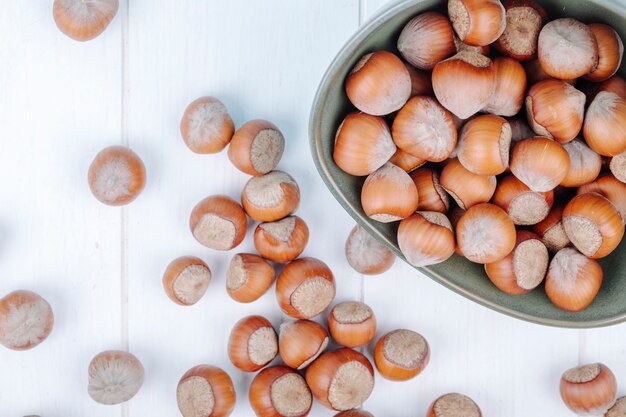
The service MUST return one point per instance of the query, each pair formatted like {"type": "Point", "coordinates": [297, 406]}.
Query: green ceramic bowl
{"type": "Point", "coordinates": [468, 279]}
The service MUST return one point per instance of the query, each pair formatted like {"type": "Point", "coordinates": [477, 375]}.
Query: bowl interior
{"type": "Point", "coordinates": [458, 274]}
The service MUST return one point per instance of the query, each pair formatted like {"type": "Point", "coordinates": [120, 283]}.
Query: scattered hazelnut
{"type": "Point", "coordinates": [278, 391]}
{"type": "Point", "coordinates": [205, 391]}
{"type": "Point", "coordinates": [454, 405]}
{"type": "Point", "coordinates": [282, 240]}
{"type": "Point", "coordinates": [305, 288]}
{"type": "Point", "coordinates": [589, 389]}
{"type": "Point", "coordinates": [84, 20]}
{"type": "Point", "coordinates": [218, 222]}
{"type": "Point", "coordinates": [26, 320]}
{"type": "Point", "coordinates": [342, 379]}
{"type": "Point", "coordinates": [186, 279]}
{"type": "Point", "coordinates": [352, 324]}
{"type": "Point", "coordinates": [365, 254]}
{"type": "Point", "coordinates": [248, 277]}
{"type": "Point", "coordinates": [256, 147]}
{"type": "Point", "coordinates": [300, 342]}
{"type": "Point", "coordinates": [270, 197]}
{"type": "Point", "coordinates": [252, 343]}
{"type": "Point", "coordinates": [206, 126]}
{"type": "Point", "coordinates": [116, 176]}
{"type": "Point", "coordinates": [401, 355]}
{"type": "Point", "coordinates": [114, 377]}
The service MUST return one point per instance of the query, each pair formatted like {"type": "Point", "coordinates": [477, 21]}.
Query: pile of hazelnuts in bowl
{"type": "Point", "coordinates": [497, 134]}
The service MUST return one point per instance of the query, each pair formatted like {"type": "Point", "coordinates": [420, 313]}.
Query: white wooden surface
{"type": "Point", "coordinates": [100, 267]}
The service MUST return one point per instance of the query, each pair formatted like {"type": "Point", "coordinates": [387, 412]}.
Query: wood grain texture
{"type": "Point", "coordinates": [60, 104]}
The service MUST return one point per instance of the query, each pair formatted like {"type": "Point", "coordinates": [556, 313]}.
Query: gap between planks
{"type": "Point", "coordinates": [124, 106]}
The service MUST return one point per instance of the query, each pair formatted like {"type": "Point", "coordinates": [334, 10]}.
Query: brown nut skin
{"type": "Point", "coordinates": [585, 165]}
{"type": "Point", "coordinates": [484, 145]}
{"type": "Point", "coordinates": [615, 84]}
{"type": "Point", "coordinates": [421, 83]}
{"type": "Point", "coordinates": [508, 98]}
{"type": "Point", "coordinates": [477, 237]}
{"type": "Point", "coordinates": [589, 389]}
{"type": "Point", "coordinates": [256, 147]}
{"type": "Point", "coordinates": [524, 206]}
{"type": "Point", "coordinates": [463, 406]}
{"type": "Point", "coordinates": [354, 413]}
{"type": "Point", "coordinates": [173, 273]}
{"type": "Point", "coordinates": [365, 254]}
{"type": "Point", "coordinates": [573, 280]}
{"type": "Point", "coordinates": [115, 377]}
{"type": "Point", "coordinates": [33, 324]}
{"type": "Point", "coordinates": [525, 18]}
{"type": "Point", "coordinates": [321, 374]}
{"type": "Point", "coordinates": [281, 241]}
{"type": "Point", "coordinates": [228, 213]}
{"type": "Point", "coordinates": [378, 84]}
{"type": "Point", "coordinates": [389, 194]}
{"type": "Point", "coordinates": [300, 342]}
{"type": "Point", "coordinates": [83, 20]}
{"type": "Point", "coordinates": [464, 83]}
{"type": "Point", "coordinates": [406, 161]}
{"type": "Point", "coordinates": [540, 163]}
{"type": "Point", "coordinates": [432, 196]}
{"type": "Point", "coordinates": [534, 74]}
{"type": "Point", "coordinates": [425, 129]}
{"type": "Point", "coordinates": [593, 225]}
{"type": "Point", "coordinates": [116, 176]}
{"type": "Point", "coordinates": [466, 188]}
{"type": "Point", "coordinates": [610, 52]}
{"type": "Point", "coordinates": [504, 274]}
{"type": "Point", "coordinates": [300, 280]}
{"type": "Point", "coordinates": [426, 238]}
{"type": "Point", "coordinates": [394, 371]}
{"type": "Point", "coordinates": [609, 187]}
{"type": "Point", "coordinates": [258, 277]}
{"type": "Point", "coordinates": [356, 330]}
{"type": "Point", "coordinates": [270, 197]}
{"type": "Point", "coordinates": [477, 22]}
{"type": "Point", "coordinates": [567, 49]}
{"type": "Point", "coordinates": [363, 144]}
{"type": "Point", "coordinates": [239, 349]}
{"type": "Point", "coordinates": [551, 230]}
{"type": "Point", "coordinates": [606, 118]}
{"type": "Point", "coordinates": [262, 399]}
{"type": "Point", "coordinates": [427, 39]}
{"type": "Point", "coordinates": [555, 109]}
{"type": "Point", "coordinates": [221, 385]}
{"type": "Point", "coordinates": [206, 126]}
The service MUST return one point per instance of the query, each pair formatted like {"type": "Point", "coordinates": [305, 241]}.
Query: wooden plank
{"type": "Point", "coordinates": [264, 60]}
{"type": "Point", "coordinates": [498, 361]}
{"type": "Point", "coordinates": [60, 105]}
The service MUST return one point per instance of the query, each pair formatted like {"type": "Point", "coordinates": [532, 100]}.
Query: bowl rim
{"type": "Point", "coordinates": [322, 166]}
